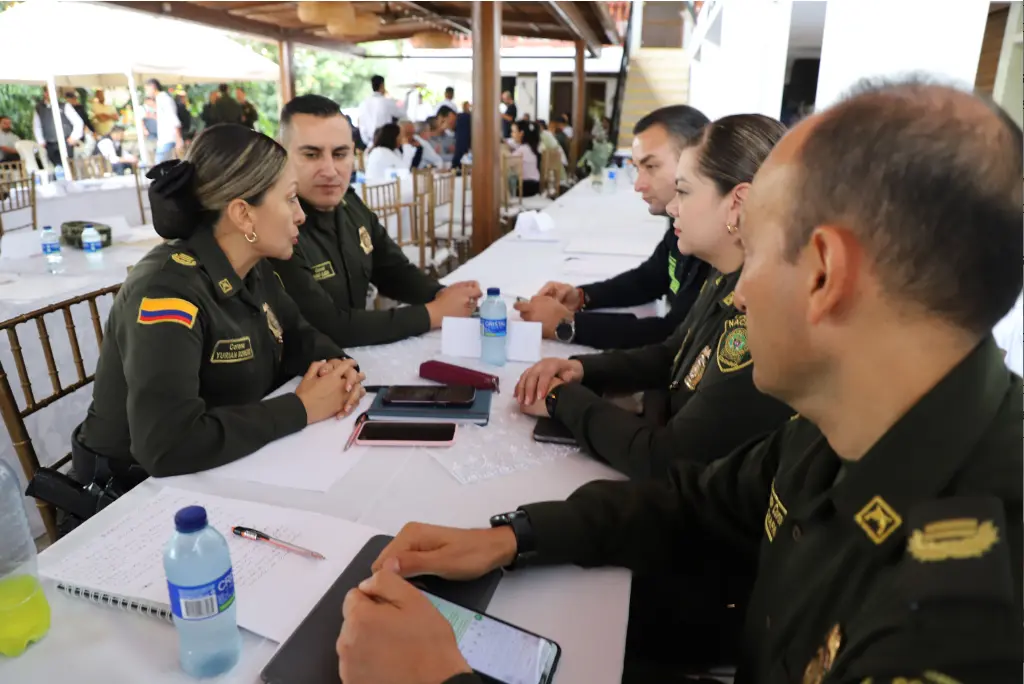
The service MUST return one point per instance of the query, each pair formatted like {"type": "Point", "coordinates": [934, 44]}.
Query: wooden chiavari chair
{"type": "Point", "coordinates": [551, 173]}
{"type": "Point", "coordinates": [14, 417]}
{"type": "Point", "coordinates": [142, 191]}
{"type": "Point", "coordinates": [360, 161]}
{"type": "Point", "coordinates": [385, 200]}
{"type": "Point", "coordinates": [17, 192]}
{"type": "Point", "coordinates": [467, 191]}
{"type": "Point", "coordinates": [511, 168]}
{"type": "Point", "coordinates": [96, 166]}
{"type": "Point", "coordinates": [443, 212]}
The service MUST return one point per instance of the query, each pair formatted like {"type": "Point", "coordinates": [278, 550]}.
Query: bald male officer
{"type": "Point", "coordinates": [886, 521]}
{"type": "Point", "coordinates": [343, 248]}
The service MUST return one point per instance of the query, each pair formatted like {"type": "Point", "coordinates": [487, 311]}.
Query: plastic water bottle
{"type": "Point", "coordinates": [202, 595]}
{"type": "Point", "coordinates": [58, 175]}
{"type": "Point", "coordinates": [493, 328]}
{"type": "Point", "coordinates": [51, 250]}
{"type": "Point", "coordinates": [611, 183]}
{"type": "Point", "coordinates": [24, 612]}
{"type": "Point", "coordinates": [92, 244]}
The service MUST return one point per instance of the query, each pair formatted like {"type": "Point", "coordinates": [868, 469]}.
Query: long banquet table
{"type": "Point", "coordinates": [584, 610]}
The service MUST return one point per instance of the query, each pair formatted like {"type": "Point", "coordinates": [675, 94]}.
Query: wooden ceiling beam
{"type": "Point", "coordinates": [189, 11]}
{"type": "Point", "coordinates": [569, 16]}
{"type": "Point", "coordinates": [428, 12]}
{"type": "Point", "coordinates": [611, 31]}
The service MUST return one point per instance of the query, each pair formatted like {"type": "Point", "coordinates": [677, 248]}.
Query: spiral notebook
{"type": "Point", "coordinates": [122, 566]}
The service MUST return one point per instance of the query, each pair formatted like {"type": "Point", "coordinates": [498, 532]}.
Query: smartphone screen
{"type": "Point", "coordinates": [381, 431]}
{"type": "Point", "coordinates": [456, 395]}
{"type": "Point", "coordinates": [502, 652]}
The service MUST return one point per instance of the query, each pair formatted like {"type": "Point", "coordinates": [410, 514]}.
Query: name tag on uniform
{"type": "Point", "coordinates": [232, 351]}
{"type": "Point", "coordinates": [324, 271]}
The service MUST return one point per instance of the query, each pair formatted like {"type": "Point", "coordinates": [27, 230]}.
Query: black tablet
{"type": "Point", "coordinates": [308, 656]}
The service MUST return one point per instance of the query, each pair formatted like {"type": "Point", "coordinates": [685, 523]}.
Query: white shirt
{"type": "Point", "coordinates": [449, 104]}
{"type": "Point", "coordinates": [380, 160]}
{"type": "Point", "coordinates": [430, 156]}
{"type": "Point", "coordinates": [8, 139]}
{"type": "Point", "coordinates": [166, 118]}
{"type": "Point", "coordinates": [106, 148]}
{"type": "Point", "coordinates": [376, 111]}
{"type": "Point", "coordinates": [77, 125]}
{"type": "Point", "coordinates": [1009, 334]}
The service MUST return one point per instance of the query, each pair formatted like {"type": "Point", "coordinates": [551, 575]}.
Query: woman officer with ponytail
{"type": "Point", "coordinates": [202, 330]}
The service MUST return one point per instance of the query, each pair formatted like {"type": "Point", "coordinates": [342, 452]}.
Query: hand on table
{"type": "Point", "coordinates": [540, 378]}
{"type": "Point", "coordinates": [449, 552]}
{"type": "Point", "coordinates": [393, 634]}
{"type": "Point", "coordinates": [458, 300]}
{"type": "Point", "coordinates": [565, 294]}
{"type": "Point", "coordinates": [547, 311]}
{"type": "Point", "coordinates": [334, 393]}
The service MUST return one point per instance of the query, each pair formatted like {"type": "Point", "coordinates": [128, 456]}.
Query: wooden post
{"type": "Point", "coordinates": [579, 107]}
{"type": "Point", "coordinates": [285, 50]}
{"type": "Point", "coordinates": [486, 146]}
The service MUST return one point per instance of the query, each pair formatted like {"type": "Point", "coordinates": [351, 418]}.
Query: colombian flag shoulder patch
{"type": "Point", "coordinates": [167, 310]}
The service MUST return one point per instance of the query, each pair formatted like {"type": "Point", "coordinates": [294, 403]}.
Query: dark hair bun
{"type": "Point", "coordinates": [172, 195]}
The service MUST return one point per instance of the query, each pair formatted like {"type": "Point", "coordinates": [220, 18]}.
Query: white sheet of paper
{"type": "Point", "coordinates": [314, 456]}
{"type": "Point", "coordinates": [461, 337]}
{"type": "Point", "coordinates": [597, 266]}
{"type": "Point", "coordinates": [275, 588]}
{"type": "Point", "coordinates": [612, 246]}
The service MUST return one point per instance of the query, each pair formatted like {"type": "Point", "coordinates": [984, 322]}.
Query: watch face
{"type": "Point", "coordinates": [563, 331]}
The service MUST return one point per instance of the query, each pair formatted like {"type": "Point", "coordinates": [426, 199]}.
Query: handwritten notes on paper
{"type": "Point", "coordinates": [275, 588]}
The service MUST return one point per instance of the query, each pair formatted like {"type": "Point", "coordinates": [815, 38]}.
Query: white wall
{"type": "Point", "coordinates": [865, 38]}
{"type": "Point", "coordinates": [526, 96]}
{"type": "Point", "coordinates": [1009, 84]}
{"type": "Point", "coordinates": [738, 57]}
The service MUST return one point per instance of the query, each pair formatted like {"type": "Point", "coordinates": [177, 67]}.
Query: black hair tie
{"type": "Point", "coordinates": [172, 195]}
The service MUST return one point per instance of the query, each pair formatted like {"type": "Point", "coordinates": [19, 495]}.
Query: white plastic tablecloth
{"type": "Point", "coordinates": [584, 610]}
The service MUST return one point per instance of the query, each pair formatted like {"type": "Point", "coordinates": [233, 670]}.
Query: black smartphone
{"type": "Point", "coordinates": [553, 432]}
{"type": "Point", "coordinates": [497, 651]}
{"type": "Point", "coordinates": [399, 433]}
{"type": "Point", "coordinates": [430, 395]}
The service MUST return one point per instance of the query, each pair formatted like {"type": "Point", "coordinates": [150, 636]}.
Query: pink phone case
{"type": "Point", "coordinates": [402, 442]}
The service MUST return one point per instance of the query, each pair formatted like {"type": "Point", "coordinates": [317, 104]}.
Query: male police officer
{"type": "Point", "coordinates": [568, 313]}
{"type": "Point", "coordinates": [887, 520]}
{"type": "Point", "coordinates": [343, 248]}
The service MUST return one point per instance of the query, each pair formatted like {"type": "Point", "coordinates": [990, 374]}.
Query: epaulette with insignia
{"type": "Point", "coordinates": [957, 549]}
{"type": "Point", "coordinates": [183, 259]}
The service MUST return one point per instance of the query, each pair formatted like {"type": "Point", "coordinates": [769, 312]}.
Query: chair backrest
{"type": "Point", "coordinates": [13, 416]}
{"type": "Point", "coordinates": [17, 192]}
{"type": "Point", "coordinates": [444, 196]}
{"type": "Point", "coordinates": [360, 161]}
{"type": "Point", "coordinates": [511, 172]}
{"type": "Point", "coordinates": [27, 151]}
{"type": "Point", "coordinates": [385, 200]}
{"type": "Point", "coordinates": [551, 171]}
{"type": "Point", "coordinates": [96, 166]}
{"type": "Point", "coordinates": [142, 191]}
{"type": "Point", "coordinates": [467, 191]}
{"type": "Point", "coordinates": [421, 181]}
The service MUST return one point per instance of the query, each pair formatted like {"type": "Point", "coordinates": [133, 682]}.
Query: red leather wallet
{"type": "Point", "coordinates": [448, 374]}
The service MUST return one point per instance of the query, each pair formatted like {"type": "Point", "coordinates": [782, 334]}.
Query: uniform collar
{"type": "Point", "coordinates": [212, 259]}
{"type": "Point", "coordinates": [920, 454]}
{"type": "Point", "coordinates": [725, 284]}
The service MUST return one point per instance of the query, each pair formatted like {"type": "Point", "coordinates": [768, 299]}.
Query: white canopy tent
{"type": "Point", "coordinates": [98, 46]}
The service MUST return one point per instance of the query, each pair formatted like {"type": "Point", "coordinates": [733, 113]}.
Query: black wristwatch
{"type": "Point", "coordinates": [526, 542]}
{"type": "Point", "coordinates": [565, 331]}
{"type": "Point", "coordinates": [551, 400]}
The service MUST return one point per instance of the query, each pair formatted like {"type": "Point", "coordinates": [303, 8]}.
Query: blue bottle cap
{"type": "Point", "coordinates": [190, 519]}
{"type": "Point", "coordinates": [493, 291]}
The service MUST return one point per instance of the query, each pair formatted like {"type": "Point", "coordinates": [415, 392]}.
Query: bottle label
{"type": "Point", "coordinates": [493, 327]}
{"type": "Point", "coordinates": [91, 246]}
{"type": "Point", "coordinates": [204, 601]}
{"type": "Point", "coordinates": [51, 248]}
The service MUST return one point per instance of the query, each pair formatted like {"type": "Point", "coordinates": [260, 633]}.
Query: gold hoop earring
{"type": "Point", "coordinates": [731, 228]}
{"type": "Point", "coordinates": [251, 237]}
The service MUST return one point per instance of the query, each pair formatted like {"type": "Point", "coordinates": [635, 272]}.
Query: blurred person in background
{"type": "Point", "coordinates": [104, 116]}
{"type": "Point", "coordinates": [250, 116]}
{"type": "Point", "coordinates": [168, 127]}
{"type": "Point", "coordinates": [73, 128]}
{"type": "Point", "coordinates": [8, 140]}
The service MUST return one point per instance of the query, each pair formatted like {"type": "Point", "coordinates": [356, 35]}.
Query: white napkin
{"type": "Point", "coordinates": [535, 226]}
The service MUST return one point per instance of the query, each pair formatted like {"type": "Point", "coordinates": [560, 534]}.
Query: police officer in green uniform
{"type": "Point", "coordinates": [701, 402]}
{"type": "Point", "coordinates": [343, 248]}
{"type": "Point", "coordinates": [573, 314]}
{"type": "Point", "coordinates": [201, 331]}
{"type": "Point", "coordinates": [887, 518]}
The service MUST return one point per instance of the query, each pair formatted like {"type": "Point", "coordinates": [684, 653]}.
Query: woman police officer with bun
{"type": "Point", "coordinates": [202, 330]}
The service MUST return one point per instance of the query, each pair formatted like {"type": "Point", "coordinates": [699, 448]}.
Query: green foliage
{"type": "Point", "coordinates": [17, 102]}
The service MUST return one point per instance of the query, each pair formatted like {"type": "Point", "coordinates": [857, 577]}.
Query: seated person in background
{"type": "Point", "coordinates": [109, 147]}
{"type": "Point", "coordinates": [701, 402]}
{"type": "Point", "coordinates": [567, 312]}
{"type": "Point", "coordinates": [104, 116]}
{"type": "Point", "coordinates": [548, 142]}
{"type": "Point", "coordinates": [343, 248]}
{"type": "Point", "coordinates": [886, 521]}
{"type": "Point", "coordinates": [526, 146]}
{"type": "Point", "coordinates": [387, 154]}
{"type": "Point", "coordinates": [201, 331]}
{"type": "Point", "coordinates": [463, 128]}
{"type": "Point", "coordinates": [8, 140]}
{"type": "Point", "coordinates": [414, 147]}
